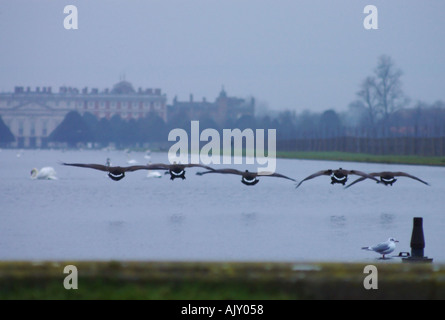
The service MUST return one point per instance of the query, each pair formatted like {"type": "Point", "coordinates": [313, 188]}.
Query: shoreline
{"type": "Point", "coordinates": [362, 157]}
{"type": "Point", "coordinates": [158, 280]}
{"type": "Point", "coordinates": [307, 155]}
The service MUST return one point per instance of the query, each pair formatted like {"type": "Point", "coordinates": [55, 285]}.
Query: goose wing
{"type": "Point", "coordinates": [163, 166]}
{"type": "Point", "coordinates": [134, 168]}
{"type": "Point", "coordinates": [364, 175]}
{"type": "Point", "coordinates": [354, 182]}
{"type": "Point", "coordinates": [314, 175]}
{"type": "Point", "coordinates": [89, 165]}
{"type": "Point", "coordinates": [270, 174]}
{"type": "Point", "coordinates": [404, 174]}
{"type": "Point", "coordinates": [191, 165]}
{"type": "Point", "coordinates": [223, 171]}
{"type": "Point", "coordinates": [160, 166]}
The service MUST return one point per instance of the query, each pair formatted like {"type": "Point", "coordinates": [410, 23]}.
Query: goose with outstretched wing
{"type": "Point", "coordinates": [388, 178]}
{"type": "Point", "coordinates": [339, 176]}
{"type": "Point", "coordinates": [115, 173]}
{"type": "Point", "coordinates": [176, 170]}
{"type": "Point", "coordinates": [247, 177]}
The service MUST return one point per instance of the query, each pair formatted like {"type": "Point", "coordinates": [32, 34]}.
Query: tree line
{"type": "Point", "coordinates": [381, 110]}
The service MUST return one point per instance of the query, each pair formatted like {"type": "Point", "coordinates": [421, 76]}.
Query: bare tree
{"type": "Point", "coordinates": [381, 94]}
{"type": "Point", "coordinates": [389, 87]}
{"type": "Point", "coordinates": [369, 102]}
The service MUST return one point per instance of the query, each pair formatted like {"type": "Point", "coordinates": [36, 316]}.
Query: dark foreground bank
{"type": "Point", "coordinates": [220, 281]}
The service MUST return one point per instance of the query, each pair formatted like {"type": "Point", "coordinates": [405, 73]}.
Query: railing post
{"type": "Point", "coordinates": [417, 243]}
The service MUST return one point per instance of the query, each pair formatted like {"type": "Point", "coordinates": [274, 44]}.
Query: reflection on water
{"type": "Point", "coordinates": [248, 218]}
{"type": "Point", "coordinates": [387, 220]}
{"type": "Point", "coordinates": [176, 220]}
{"type": "Point", "coordinates": [338, 221]}
{"type": "Point", "coordinates": [85, 215]}
{"type": "Point", "coordinates": [337, 225]}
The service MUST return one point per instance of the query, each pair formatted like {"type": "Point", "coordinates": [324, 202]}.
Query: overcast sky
{"type": "Point", "coordinates": [288, 54]}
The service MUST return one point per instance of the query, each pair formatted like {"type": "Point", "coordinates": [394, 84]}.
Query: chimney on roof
{"type": "Point", "coordinates": [18, 89]}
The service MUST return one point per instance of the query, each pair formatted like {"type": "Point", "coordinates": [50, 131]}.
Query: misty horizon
{"type": "Point", "coordinates": [288, 55]}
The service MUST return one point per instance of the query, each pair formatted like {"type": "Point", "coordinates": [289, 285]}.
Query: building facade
{"type": "Point", "coordinates": [32, 115]}
{"type": "Point", "coordinates": [223, 110]}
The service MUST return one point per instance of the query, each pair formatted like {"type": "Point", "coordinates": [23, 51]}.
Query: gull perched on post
{"type": "Point", "coordinates": [383, 248]}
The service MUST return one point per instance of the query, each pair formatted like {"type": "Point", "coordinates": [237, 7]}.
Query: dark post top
{"type": "Point", "coordinates": [417, 238]}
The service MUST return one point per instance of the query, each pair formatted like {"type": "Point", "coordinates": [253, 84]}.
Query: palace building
{"type": "Point", "coordinates": [224, 109]}
{"type": "Point", "coordinates": [32, 115]}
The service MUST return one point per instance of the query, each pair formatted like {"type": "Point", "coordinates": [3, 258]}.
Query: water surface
{"type": "Point", "coordinates": [84, 215]}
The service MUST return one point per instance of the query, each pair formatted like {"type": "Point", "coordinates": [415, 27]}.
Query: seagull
{"type": "Point", "coordinates": [388, 178]}
{"type": "Point", "coordinates": [247, 177]}
{"type": "Point", "coordinates": [383, 248]}
{"type": "Point", "coordinates": [176, 170]}
{"type": "Point", "coordinates": [115, 173]}
{"type": "Point", "coordinates": [337, 176]}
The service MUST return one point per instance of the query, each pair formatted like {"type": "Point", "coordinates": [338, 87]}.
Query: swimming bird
{"type": "Point", "coordinates": [247, 177]}
{"type": "Point", "coordinates": [388, 178]}
{"type": "Point", "coordinates": [46, 173]}
{"type": "Point", "coordinates": [153, 173]}
{"type": "Point", "coordinates": [176, 170]}
{"type": "Point", "coordinates": [337, 176]}
{"type": "Point", "coordinates": [131, 161]}
{"type": "Point", "coordinates": [383, 248]}
{"type": "Point", "coordinates": [116, 173]}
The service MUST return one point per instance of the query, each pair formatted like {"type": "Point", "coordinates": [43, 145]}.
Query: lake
{"type": "Point", "coordinates": [84, 215]}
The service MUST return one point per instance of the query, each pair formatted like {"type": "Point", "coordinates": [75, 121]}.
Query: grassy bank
{"type": "Point", "coordinates": [213, 280]}
{"type": "Point", "coordinates": [361, 157]}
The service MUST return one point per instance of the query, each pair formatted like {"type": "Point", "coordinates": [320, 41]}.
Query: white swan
{"type": "Point", "coordinates": [153, 173]}
{"type": "Point", "coordinates": [46, 173]}
{"type": "Point", "coordinates": [130, 161]}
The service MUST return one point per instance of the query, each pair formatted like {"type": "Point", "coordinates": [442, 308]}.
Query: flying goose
{"type": "Point", "coordinates": [247, 177]}
{"type": "Point", "coordinates": [176, 170]}
{"type": "Point", "coordinates": [337, 176]}
{"type": "Point", "coordinates": [388, 178]}
{"type": "Point", "coordinates": [115, 173]}
{"type": "Point", "coordinates": [383, 248]}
